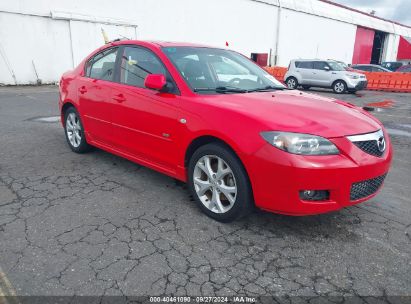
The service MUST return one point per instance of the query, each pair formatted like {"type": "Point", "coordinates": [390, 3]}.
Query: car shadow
{"type": "Point", "coordinates": [334, 225]}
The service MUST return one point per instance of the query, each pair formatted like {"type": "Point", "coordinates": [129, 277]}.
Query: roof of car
{"type": "Point", "coordinates": [314, 60]}
{"type": "Point", "coordinates": [362, 64]}
{"type": "Point", "coordinates": [162, 43]}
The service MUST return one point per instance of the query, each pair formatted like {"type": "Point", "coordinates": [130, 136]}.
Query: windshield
{"type": "Point", "coordinates": [335, 66]}
{"type": "Point", "coordinates": [217, 71]}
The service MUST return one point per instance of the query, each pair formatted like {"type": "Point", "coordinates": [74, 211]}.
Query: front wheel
{"type": "Point", "coordinates": [219, 184]}
{"type": "Point", "coordinates": [339, 87]}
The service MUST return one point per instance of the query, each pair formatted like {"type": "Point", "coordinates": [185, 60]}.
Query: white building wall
{"type": "Point", "coordinates": [56, 35]}
{"type": "Point", "coordinates": [390, 51]}
{"type": "Point", "coordinates": [248, 26]}
{"type": "Point", "coordinates": [309, 37]}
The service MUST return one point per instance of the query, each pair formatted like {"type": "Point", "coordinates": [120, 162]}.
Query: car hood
{"type": "Point", "coordinates": [295, 111]}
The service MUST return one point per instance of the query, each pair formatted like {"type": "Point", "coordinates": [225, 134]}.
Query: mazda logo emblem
{"type": "Point", "coordinates": [381, 144]}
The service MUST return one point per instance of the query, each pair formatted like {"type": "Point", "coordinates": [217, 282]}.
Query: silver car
{"type": "Point", "coordinates": [323, 74]}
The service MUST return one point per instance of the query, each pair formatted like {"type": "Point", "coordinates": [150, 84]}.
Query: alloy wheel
{"type": "Point", "coordinates": [215, 183]}
{"type": "Point", "coordinates": [339, 87]}
{"type": "Point", "coordinates": [73, 129]}
{"type": "Point", "coordinates": [291, 83]}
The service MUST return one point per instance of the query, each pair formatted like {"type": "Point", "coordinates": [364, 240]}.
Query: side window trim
{"type": "Point", "coordinates": [117, 75]}
{"type": "Point", "coordinates": [91, 60]}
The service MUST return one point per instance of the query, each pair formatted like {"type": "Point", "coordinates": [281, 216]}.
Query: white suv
{"type": "Point", "coordinates": [323, 74]}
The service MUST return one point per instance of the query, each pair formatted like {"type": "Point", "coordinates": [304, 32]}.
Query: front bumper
{"type": "Point", "coordinates": [277, 177]}
{"type": "Point", "coordinates": [357, 84]}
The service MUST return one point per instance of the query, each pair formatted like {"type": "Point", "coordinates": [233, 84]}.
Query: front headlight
{"type": "Point", "coordinates": [298, 143]}
{"type": "Point", "coordinates": [352, 76]}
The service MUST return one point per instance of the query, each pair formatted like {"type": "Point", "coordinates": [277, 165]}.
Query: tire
{"type": "Point", "coordinates": [224, 199]}
{"type": "Point", "coordinates": [292, 83]}
{"type": "Point", "coordinates": [305, 87]}
{"type": "Point", "coordinates": [74, 130]}
{"type": "Point", "coordinates": [339, 87]}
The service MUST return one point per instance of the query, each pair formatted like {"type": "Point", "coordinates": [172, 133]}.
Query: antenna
{"type": "Point", "coordinates": [122, 36]}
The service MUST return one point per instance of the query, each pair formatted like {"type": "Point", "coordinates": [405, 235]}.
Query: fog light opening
{"type": "Point", "coordinates": [315, 195]}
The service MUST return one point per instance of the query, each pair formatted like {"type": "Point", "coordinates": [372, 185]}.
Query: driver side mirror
{"type": "Point", "coordinates": [155, 82]}
{"type": "Point", "coordinates": [326, 68]}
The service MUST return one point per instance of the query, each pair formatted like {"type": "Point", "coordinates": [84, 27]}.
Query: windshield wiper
{"type": "Point", "coordinates": [221, 90]}
{"type": "Point", "coordinates": [265, 89]}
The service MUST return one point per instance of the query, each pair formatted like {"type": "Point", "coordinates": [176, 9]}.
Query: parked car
{"type": "Point", "coordinates": [370, 68]}
{"type": "Point", "coordinates": [238, 143]}
{"type": "Point", "coordinates": [324, 74]}
{"type": "Point", "coordinates": [404, 69]}
{"type": "Point", "coordinates": [392, 65]}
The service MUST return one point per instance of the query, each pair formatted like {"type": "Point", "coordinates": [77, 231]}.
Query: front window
{"type": "Point", "coordinates": [136, 64]}
{"type": "Point", "coordinates": [208, 70]}
{"type": "Point", "coordinates": [335, 66]}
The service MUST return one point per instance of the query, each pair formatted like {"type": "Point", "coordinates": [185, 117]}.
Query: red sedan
{"type": "Point", "coordinates": [214, 119]}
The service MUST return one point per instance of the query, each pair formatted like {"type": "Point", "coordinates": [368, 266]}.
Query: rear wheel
{"type": "Point", "coordinates": [292, 83]}
{"type": "Point", "coordinates": [339, 87]}
{"type": "Point", "coordinates": [219, 184]}
{"type": "Point", "coordinates": [74, 131]}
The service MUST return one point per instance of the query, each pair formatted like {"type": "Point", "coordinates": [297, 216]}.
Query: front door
{"type": "Point", "coordinates": [145, 121]}
{"type": "Point", "coordinates": [321, 74]}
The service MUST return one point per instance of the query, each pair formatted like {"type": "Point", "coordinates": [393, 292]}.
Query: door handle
{"type": "Point", "coordinates": [82, 90]}
{"type": "Point", "coordinates": [119, 98]}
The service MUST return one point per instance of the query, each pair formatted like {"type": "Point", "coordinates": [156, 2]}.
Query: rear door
{"type": "Point", "coordinates": [94, 91]}
{"type": "Point", "coordinates": [305, 69]}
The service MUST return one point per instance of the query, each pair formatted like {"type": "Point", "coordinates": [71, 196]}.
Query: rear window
{"type": "Point", "coordinates": [304, 64]}
{"type": "Point", "coordinates": [101, 66]}
{"type": "Point", "coordinates": [362, 68]}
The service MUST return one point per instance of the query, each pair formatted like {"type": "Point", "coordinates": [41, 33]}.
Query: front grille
{"type": "Point", "coordinates": [371, 143]}
{"type": "Point", "coordinates": [365, 188]}
{"type": "Point", "coordinates": [370, 147]}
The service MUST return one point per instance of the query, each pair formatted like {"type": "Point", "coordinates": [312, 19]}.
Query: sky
{"type": "Point", "coordinates": [396, 10]}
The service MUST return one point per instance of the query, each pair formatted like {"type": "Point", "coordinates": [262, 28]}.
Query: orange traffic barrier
{"type": "Point", "coordinates": [378, 81]}
{"type": "Point", "coordinates": [392, 82]}
{"type": "Point", "coordinates": [277, 72]}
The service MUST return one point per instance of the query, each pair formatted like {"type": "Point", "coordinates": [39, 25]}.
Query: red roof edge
{"type": "Point", "coordinates": [361, 12]}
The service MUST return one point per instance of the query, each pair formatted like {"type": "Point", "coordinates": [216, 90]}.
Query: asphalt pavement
{"type": "Point", "coordinates": [96, 224]}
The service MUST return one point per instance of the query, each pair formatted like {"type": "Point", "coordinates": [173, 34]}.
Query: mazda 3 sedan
{"type": "Point", "coordinates": [214, 119]}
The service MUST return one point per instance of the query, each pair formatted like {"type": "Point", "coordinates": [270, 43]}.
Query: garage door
{"type": "Point", "coordinates": [363, 45]}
